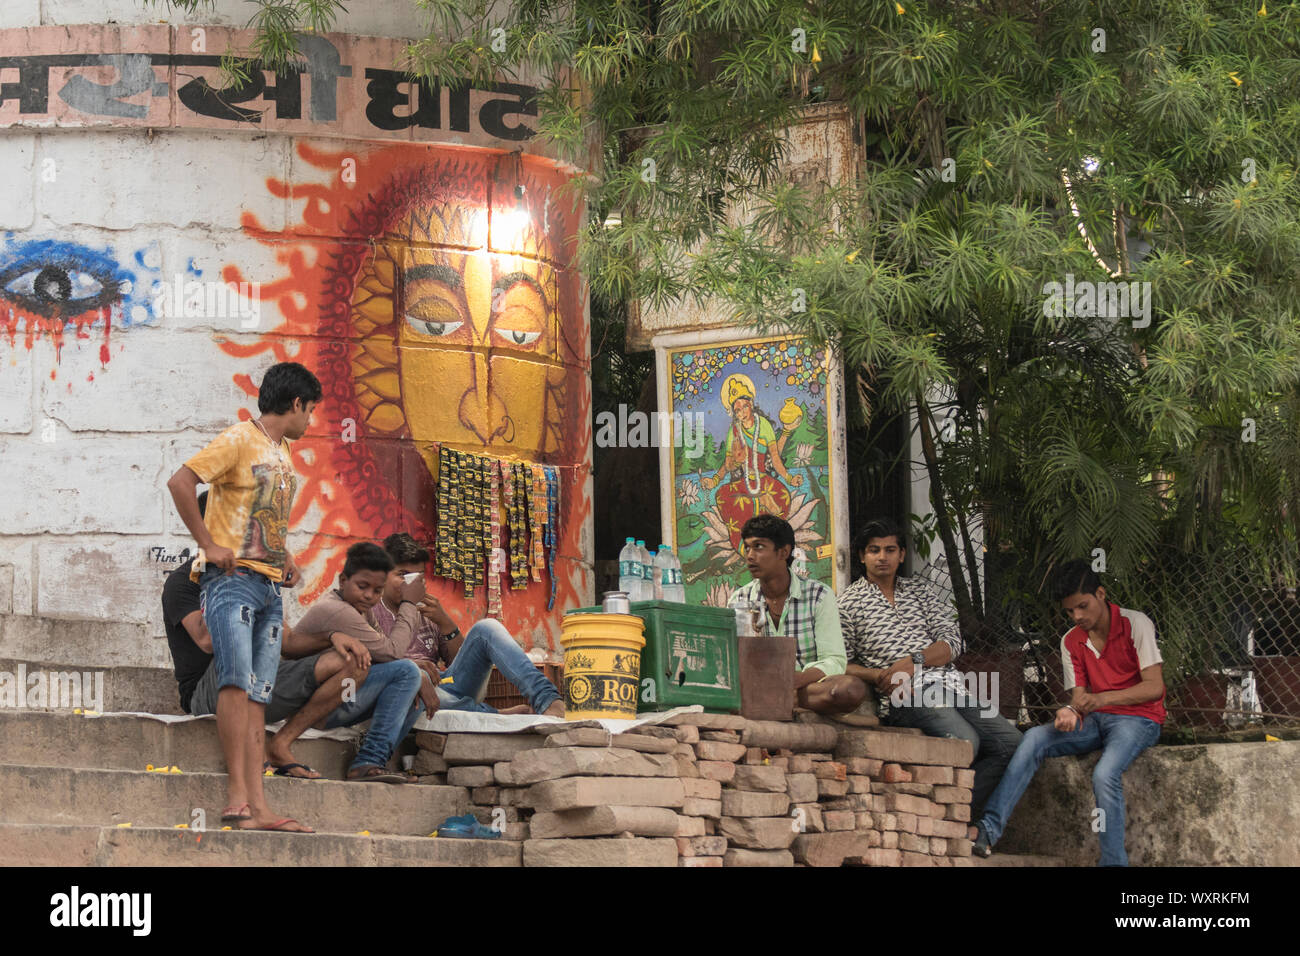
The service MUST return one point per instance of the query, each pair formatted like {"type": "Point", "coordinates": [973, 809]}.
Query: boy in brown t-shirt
{"type": "Point", "coordinates": [243, 561]}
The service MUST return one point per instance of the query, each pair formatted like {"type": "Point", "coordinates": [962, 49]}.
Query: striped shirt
{"type": "Point", "coordinates": [878, 634]}
{"type": "Point", "coordinates": [810, 616]}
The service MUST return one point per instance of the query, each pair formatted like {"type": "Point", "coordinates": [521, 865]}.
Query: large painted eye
{"type": "Point", "coordinates": [59, 289]}
{"type": "Point", "coordinates": [519, 337]}
{"type": "Point", "coordinates": [426, 327]}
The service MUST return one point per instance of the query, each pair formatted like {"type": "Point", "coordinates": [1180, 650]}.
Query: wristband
{"type": "Point", "coordinates": [452, 634]}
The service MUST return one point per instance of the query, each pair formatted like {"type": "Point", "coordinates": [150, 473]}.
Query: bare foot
{"type": "Point", "coordinates": [517, 709]}
{"type": "Point", "coordinates": [972, 833]}
{"type": "Point", "coordinates": [555, 710]}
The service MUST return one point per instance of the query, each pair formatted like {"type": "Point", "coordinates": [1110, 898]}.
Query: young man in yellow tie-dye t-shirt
{"type": "Point", "coordinates": [243, 561]}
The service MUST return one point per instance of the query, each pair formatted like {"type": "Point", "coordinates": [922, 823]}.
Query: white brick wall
{"type": "Point", "coordinates": [16, 152]}
{"type": "Point", "coordinates": [80, 484]}
{"type": "Point", "coordinates": [366, 19]}
{"type": "Point", "coordinates": [181, 178]}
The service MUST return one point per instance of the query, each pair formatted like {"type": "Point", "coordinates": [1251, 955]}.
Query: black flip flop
{"type": "Point", "coordinates": [283, 771]}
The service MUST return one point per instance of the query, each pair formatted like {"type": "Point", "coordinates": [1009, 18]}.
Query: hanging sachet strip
{"type": "Point", "coordinates": [468, 511]}
{"type": "Point", "coordinates": [451, 525]}
{"type": "Point", "coordinates": [539, 520]}
{"type": "Point", "coordinates": [519, 474]}
{"type": "Point", "coordinates": [494, 522]}
{"type": "Point", "coordinates": [442, 550]}
{"type": "Point", "coordinates": [471, 524]}
{"type": "Point", "coordinates": [510, 478]}
{"type": "Point", "coordinates": [552, 523]}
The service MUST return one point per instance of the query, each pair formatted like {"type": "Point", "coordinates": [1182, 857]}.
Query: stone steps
{"type": "Point", "coordinates": [1017, 859]}
{"type": "Point", "coordinates": [122, 742]}
{"type": "Point", "coordinates": [89, 845]}
{"type": "Point", "coordinates": [66, 796]}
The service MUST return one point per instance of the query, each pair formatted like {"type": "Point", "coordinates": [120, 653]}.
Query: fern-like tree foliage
{"type": "Point", "coordinates": [1003, 146]}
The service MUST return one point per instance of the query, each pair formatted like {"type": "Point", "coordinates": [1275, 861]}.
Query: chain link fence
{"type": "Point", "coordinates": [1228, 626]}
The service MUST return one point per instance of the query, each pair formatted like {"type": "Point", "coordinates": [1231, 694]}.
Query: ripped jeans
{"type": "Point", "coordinates": [244, 614]}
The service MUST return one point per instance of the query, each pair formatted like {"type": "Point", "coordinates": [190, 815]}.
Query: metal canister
{"type": "Point", "coordinates": [616, 602]}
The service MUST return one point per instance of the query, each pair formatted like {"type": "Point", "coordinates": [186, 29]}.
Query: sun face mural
{"type": "Point", "coordinates": [432, 293]}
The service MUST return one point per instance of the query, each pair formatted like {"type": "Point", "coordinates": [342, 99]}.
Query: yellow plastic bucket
{"type": "Point", "coordinates": [602, 665]}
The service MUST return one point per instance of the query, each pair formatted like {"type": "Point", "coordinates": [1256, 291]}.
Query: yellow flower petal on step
{"type": "Point", "coordinates": [363, 833]}
{"type": "Point", "coordinates": [121, 825]}
{"type": "Point", "coordinates": [1272, 739]}
{"type": "Point", "coordinates": [227, 828]}
{"type": "Point", "coordinates": [181, 826]}
{"type": "Point", "coordinates": [434, 834]}
{"type": "Point", "coordinates": [898, 8]}
{"type": "Point", "coordinates": [268, 773]}
{"type": "Point", "coordinates": [76, 710]}
{"type": "Point", "coordinates": [148, 766]}
{"type": "Point", "coordinates": [174, 769]}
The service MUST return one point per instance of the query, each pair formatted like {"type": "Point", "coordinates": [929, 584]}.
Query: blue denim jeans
{"type": "Point", "coordinates": [390, 697]}
{"type": "Point", "coordinates": [487, 643]}
{"type": "Point", "coordinates": [244, 613]}
{"type": "Point", "coordinates": [994, 739]}
{"type": "Point", "coordinates": [1121, 737]}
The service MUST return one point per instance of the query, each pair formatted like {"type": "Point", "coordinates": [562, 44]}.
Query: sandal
{"type": "Point", "coordinates": [281, 827]}
{"type": "Point", "coordinates": [283, 771]}
{"type": "Point", "coordinates": [373, 774]}
{"type": "Point", "coordinates": [233, 814]}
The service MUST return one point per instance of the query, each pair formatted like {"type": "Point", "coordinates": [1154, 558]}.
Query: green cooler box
{"type": "Point", "coordinates": [690, 655]}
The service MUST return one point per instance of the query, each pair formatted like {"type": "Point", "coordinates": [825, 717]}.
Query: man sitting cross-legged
{"type": "Point", "coordinates": [801, 608]}
{"type": "Point", "coordinates": [441, 652]}
{"type": "Point", "coordinates": [1113, 672]}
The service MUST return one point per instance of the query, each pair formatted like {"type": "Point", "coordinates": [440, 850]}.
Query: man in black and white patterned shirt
{"type": "Point", "coordinates": [896, 626]}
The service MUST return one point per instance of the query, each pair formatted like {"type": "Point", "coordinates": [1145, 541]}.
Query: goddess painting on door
{"type": "Point", "coordinates": [753, 460]}
{"type": "Point", "coordinates": [759, 480]}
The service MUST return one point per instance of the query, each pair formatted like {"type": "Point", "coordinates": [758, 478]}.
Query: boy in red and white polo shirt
{"type": "Point", "coordinates": [1113, 675]}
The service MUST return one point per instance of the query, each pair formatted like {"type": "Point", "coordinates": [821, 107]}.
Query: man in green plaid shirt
{"type": "Point", "coordinates": [800, 608]}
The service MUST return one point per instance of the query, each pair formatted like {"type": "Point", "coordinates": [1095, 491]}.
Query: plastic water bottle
{"type": "Point", "coordinates": [676, 591]}
{"type": "Point", "coordinates": [663, 573]}
{"type": "Point", "coordinates": [629, 570]}
{"type": "Point", "coordinates": [647, 572]}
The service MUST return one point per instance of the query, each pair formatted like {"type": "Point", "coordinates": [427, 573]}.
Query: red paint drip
{"type": "Point", "coordinates": [39, 326]}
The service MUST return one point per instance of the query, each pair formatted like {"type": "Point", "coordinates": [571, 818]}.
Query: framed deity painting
{"type": "Point", "coordinates": [751, 424]}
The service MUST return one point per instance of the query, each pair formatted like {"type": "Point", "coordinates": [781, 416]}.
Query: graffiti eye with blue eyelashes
{"type": "Point", "coordinates": [59, 280]}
